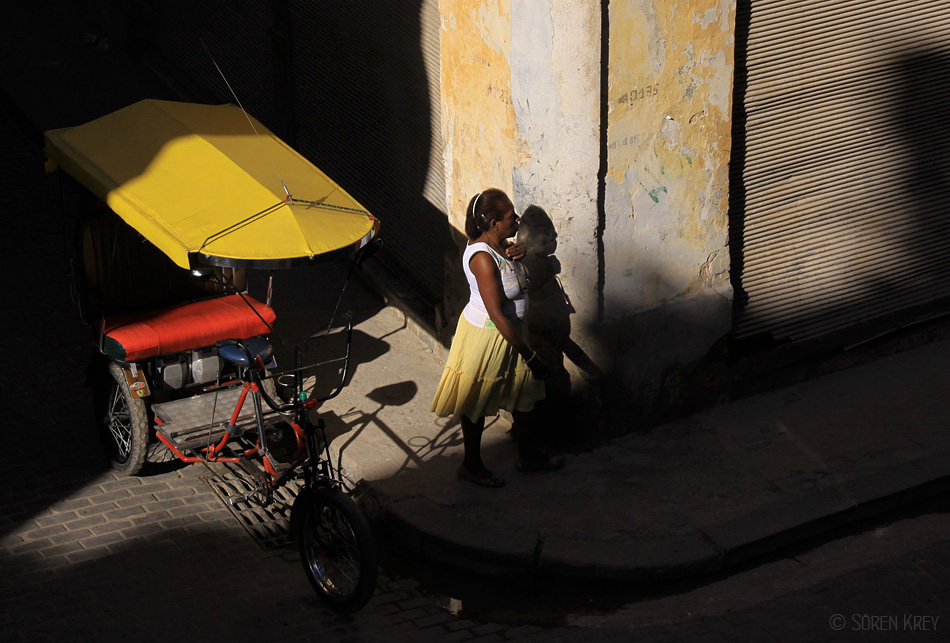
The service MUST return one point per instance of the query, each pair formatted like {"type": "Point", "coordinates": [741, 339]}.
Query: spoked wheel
{"type": "Point", "coordinates": [125, 425]}
{"type": "Point", "coordinates": [338, 551]}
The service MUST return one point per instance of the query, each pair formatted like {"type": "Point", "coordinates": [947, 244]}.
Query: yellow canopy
{"type": "Point", "coordinates": [197, 179]}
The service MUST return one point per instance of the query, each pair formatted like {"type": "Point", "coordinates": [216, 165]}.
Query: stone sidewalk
{"type": "Point", "coordinates": [687, 497]}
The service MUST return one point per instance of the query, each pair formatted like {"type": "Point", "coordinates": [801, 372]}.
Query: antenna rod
{"type": "Point", "coordinates": [244, 111]}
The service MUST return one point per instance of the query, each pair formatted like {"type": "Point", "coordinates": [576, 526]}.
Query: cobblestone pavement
{"type": "Point", "coordinates": [160, 557]}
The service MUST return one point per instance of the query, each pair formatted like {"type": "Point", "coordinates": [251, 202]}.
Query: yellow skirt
{"type": "Point", "coordinates": [484, 374]}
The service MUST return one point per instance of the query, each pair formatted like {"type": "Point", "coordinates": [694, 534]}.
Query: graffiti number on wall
{"type": "Point", "coordinates": [627, 140]}
{"type": "Point", "coordinates": [499, 93]}
{"type": "Point", "coordinates": [640, 93]}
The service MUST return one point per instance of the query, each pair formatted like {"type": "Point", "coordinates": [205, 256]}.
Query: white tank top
{"type": "Point", "coordinates": [514, 284]}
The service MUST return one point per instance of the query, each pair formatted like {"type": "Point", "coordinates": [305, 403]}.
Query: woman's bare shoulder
{"type": "Point", "coordinates": [483, 260]}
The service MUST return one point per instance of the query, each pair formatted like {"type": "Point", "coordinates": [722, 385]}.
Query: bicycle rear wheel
{"type": "Point", "coordinates": [337, 550]}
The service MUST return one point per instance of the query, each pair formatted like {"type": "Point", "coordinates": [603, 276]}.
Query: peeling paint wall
{"type": "Point", "coordinates": [667, 293]}
{"type": "Point", "coordinates": [670, 88]}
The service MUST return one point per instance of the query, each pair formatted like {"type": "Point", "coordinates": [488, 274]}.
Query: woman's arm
{"type": "Point", "coordinates": [489, 286]}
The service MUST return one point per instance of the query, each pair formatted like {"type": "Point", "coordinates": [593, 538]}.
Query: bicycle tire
{"type": "Point", "coordinates": [337, 550]}
{"type": "Point", "coordinates": [124, 426]}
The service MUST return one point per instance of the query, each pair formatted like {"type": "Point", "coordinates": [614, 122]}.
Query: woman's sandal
{"type": "Point", "coordinates": [486, 479]}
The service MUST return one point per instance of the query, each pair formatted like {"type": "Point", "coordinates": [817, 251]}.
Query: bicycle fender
{"type": "Point", "coordinates": [135, 378]}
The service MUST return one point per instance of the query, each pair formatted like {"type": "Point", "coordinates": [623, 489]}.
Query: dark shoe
{"type": "Point", "coordinates": [486, 479]}
{"type": "Point", "coordinates": [538, 465]}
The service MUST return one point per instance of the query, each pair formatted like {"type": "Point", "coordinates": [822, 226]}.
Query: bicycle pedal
{"type": "Point", "coordinates": [255, 497]}
{"type": "Point", "coordinates": [241, 498]}
{"type": "Point", "coordinates": [280, 466]}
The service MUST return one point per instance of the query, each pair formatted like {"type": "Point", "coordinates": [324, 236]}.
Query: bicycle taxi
{"type": "Point", "coordinates": [182, 200]}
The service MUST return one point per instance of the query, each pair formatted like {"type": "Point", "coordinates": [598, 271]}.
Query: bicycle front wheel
{"type": "Point", "coordinates": [338, 551]}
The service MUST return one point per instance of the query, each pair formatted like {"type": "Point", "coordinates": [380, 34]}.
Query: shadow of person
{"type": "Point", "coordinates": [549, 321]}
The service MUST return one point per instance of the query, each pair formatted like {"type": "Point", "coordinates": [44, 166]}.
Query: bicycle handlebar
{"type": "Point", "coordinates": [346, 361]}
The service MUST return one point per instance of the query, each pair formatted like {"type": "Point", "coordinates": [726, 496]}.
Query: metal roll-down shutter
{"type": "Point", "coordinates": [842, 163]}
{"type": "Point", "coordinates": [367, 104]}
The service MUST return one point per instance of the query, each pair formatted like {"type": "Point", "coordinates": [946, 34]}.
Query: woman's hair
{"type": "Point", "coordinates": [485, 208]}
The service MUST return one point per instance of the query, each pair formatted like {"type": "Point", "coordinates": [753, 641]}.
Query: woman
{"type": "Point", "coordinates": [490, 365]}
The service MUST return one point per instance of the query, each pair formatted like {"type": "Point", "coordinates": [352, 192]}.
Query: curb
{"type": "Point", "coordinates": [435, 535]}
{"type": "Point", "coordinates": [432, 533]}
{"type": "Point", "coordinates": [784, 523]}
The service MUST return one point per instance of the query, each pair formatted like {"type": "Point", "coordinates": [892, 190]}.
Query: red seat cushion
{"type": "Point", "coordinates": [184, 327]}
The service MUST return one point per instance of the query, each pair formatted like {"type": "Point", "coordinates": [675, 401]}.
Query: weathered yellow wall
{"type": "Point", "coordinates": [478, 125]}
{"type": "Point", "coordinates": [670, 87]}
{"type": "Point", "coordinates": [637, 275]}
{"type": "Point", "coordinates": [670, 74]}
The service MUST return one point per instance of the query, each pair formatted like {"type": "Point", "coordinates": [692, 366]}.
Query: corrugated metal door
{"type": "Point", "coordinates": [367, 108]}
{"type": "Point", "coordinates": [841, 173]}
